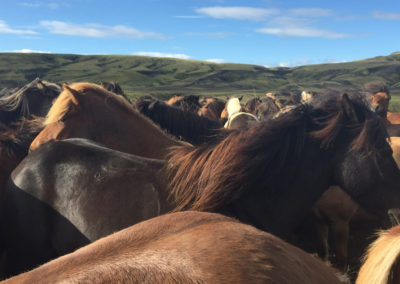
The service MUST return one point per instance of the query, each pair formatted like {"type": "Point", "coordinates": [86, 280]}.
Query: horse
{"type": "Point", "coordinates": [188, 102]}
{"type": "Point", "coordinates": [236, 117]}
{"type": "Point", "coordinates": [81, 191]}
{"type": "Point", "coordinates": [115, 88]}
{"type": "Point", "coordinates": [89, 111]}
{"type": "Point", "coordinates": [14, 145]}
{"type": "Point", "coordinates": [307, 97]}
{"type": "Point", "coordinates": [381, 262]}
{"type": "Point", "coordinates": [211, 108]}
{"type": "Point", "coordinates": [269, 175]}
{"type": "Point", "coordinates": [380, 104]}
{"type": "Point", "coordinates": [181, 123]}
{"type": "Point", "coordinates": [33, 99]}
{"type": "Point", "coordinates": [168, 249]}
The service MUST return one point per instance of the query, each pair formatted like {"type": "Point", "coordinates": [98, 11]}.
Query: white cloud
{"type": "Point", "coordinates": [46, 4]}
{"type": "Point", "coordinates": [25, 50]}
{"type": "Point", "coordinates": [160, 54]}
{"type": "Point", "coordinates": [211, 35]}
{"type": "Point", "coordinates": [386, 15]}
{"type": "Point", "coordinates": [237, 13]}
{"type": "Point", "coordinates": [311, 12]}
{"type": "Point", "coordinates": [95, 30]}
{"type": "Point", "coordinates": [5, 29]}
{"type": "Point", "coordinates": [301, 32]}
{"type": "Point", "coordinates": [216, 60]}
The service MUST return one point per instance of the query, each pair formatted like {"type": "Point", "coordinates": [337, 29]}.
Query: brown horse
{"type": "Point", "coordinates": [115, 88]}
{"type": "Point", "coordinates": [189, 102]}
{"type": "Point", "coordinates": [211, 108]}
{"type": "Point", "coordinates": [185, 247]}
{"type": "Point", "coordinates": [269, 175]}
{"type": "Point", "coordinates": [89, 111]}
{"type": "Point", "coordinates": [382, 264]}
{"type": "Point", "coordinates": [181, 123]}
{"type": "Point", "coordinates": [380, 104]}
{"type": "Point", "coordinates": [33, 99]}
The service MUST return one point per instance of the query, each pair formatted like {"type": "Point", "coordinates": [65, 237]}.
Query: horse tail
{"type": "Point", "coordinates": [380, 258]}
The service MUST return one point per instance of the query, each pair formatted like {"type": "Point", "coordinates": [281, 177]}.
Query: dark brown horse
{"type": "Point", "coordinates": [89, 111]}
{"type": "Point", "coordinates": [269, 175]}
{"type": "Point", "coordinates": [181, 123]}
{"type": "Point", "coordinates": [185, 247]}
{"type": "Point", "coordinates": [34, 99]}
{"type": "Point", "coordinates": [211, 108]}
{"type": "Point", "coordinates": [188, 102]}
{"type": "Point", "coordinates": [115, 88]}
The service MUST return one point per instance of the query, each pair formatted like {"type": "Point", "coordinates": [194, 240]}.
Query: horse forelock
{"type": "Point", "coordinates": [87, 91]}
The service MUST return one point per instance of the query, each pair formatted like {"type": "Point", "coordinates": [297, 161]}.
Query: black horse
{"type": "Point", "coordinates": [71, 192]}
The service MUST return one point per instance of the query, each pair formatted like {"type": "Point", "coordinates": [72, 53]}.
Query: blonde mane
{"type": "Point", "coordinates": [380, 258]}
{"type": "Point", "coordinates": [66, 100]}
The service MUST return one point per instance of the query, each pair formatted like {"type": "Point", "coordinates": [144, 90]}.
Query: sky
{"type": "Point", "coordinates": [270, 33]}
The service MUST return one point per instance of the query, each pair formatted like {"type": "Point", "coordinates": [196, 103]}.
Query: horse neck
{"type": "Point", "coordinates": [135, 134]}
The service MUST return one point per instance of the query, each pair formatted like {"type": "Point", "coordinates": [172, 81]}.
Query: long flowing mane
{"type": "Point", "coordinates": [65, 101]}
{"type": "Point", "coordinates": [179, 122]}
{"type": "Point", "coordinates": [215, 174]}
{"type": "Point", "coordinates": [19, 98]}
{"type": "Point", "coordinates": [380, 259]}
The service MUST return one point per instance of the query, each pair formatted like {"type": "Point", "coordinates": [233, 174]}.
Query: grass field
{"type": "Point", "coordinates": [164, 77]}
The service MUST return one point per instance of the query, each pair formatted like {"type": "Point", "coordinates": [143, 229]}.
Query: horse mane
{"type": "Point", "coordinates": [211, 176]}
{"type": "Point", "coordinates": [19, 98]}
{"type": "Point", "coordinates": [15, 140]}
{"type": "Point", "coordinates": [376, 87]}
{"type": "Point", "coordinates": [381, 257]}
{"type": "Point", "coordinates": [179, 122]}
{"type": "Point", "coordinates": [66, 100]}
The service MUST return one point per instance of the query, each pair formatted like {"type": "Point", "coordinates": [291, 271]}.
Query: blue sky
{"type": "Point", "coordinates": [263, 32]}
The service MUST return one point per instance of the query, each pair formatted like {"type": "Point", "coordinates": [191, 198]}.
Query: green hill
{"type": "Point", "coordinates": [163, 77]}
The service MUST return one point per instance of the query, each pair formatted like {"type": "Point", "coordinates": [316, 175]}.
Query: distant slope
{"type": "Point", "coordinates": [163, 77]}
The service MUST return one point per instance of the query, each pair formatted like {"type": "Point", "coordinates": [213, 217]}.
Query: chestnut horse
{"type": "Point", "coordinates": [382, 264]}
{"type": "Point", "coordinates": [33, 99]}
{"type": "Point", "coordinates": [185, 247]}
{"type": "Point", "coordinates": [89, 111]}
{"type": "Point", "coordinates": [380, 104]}
{"type": "Point", "coordinates": [269, 175]}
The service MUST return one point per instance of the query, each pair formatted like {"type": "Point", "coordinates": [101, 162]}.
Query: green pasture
{"type": "Point", "coordinates": [164, 77]}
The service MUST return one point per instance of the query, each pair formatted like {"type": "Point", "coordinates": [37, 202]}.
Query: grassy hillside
{"type": "Point", "coordinates": [163, 77]}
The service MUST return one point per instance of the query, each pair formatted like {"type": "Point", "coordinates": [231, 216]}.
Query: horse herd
{"type": "Point", "coordinates": [191, 190]}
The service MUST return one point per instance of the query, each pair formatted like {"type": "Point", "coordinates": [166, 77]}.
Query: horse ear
{"type": "Point", "coordinates": [240, 98]}
{"type": "Point", "coordinates": [74, 94]}
{"type": "Point", "coordinates": [42, 87]}
{"type": "Point", "coordinates": [348, 108]}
